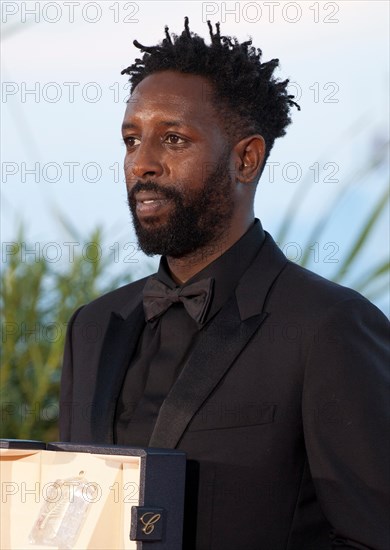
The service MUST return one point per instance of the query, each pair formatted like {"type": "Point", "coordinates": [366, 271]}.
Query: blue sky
{"type": "Point", "coordinates": [334, 53]}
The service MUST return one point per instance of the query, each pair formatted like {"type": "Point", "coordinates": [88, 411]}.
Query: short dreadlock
{"type": "Point", "coordinates": [246, 94]}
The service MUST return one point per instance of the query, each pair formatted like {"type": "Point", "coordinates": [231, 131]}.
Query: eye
{"type": "Point", "coordinates": [174, 139]}
{"type": "Point", "coordinates": [130, 141]}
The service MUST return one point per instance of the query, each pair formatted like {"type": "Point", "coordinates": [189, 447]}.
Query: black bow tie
{"type": "Point", "coordinates": [196, 297]}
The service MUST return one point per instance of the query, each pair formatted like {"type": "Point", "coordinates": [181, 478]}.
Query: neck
{"type": "Point", "coordinates": [185, 267]}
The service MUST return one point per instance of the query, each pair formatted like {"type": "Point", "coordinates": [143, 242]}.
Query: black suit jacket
{"type": "Point", "coordinates": [282, 407]}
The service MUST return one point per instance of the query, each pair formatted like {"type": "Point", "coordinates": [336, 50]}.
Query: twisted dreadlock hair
{"type": "Point", "coordinates": [246, 94]}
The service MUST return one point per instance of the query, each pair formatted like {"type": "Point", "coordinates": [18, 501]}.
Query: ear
{"type": "Point", "coordinates": [250, 154]}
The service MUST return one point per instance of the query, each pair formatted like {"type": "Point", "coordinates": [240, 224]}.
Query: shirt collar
{"type": "Point", "coordinates": [226, 270]}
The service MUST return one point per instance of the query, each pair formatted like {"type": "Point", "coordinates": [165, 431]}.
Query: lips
{"type": "Point", "coordinates": [150, 203]}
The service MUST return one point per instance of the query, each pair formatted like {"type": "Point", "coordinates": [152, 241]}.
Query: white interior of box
{"type": "Point", "coordinates": [26, 477]}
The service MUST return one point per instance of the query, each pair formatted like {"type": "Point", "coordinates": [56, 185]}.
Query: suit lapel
{"type": "Point", "coordinates": [219, 344]}
{"type": "Point", "coordinates": [119, 345]}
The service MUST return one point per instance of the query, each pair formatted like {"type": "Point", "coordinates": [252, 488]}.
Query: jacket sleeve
{"type": "Point", "coordinates": [346, 422]}
{"type": "Point", "coordinates": [66, 388]}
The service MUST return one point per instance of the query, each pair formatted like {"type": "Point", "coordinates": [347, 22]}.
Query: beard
{"type": "Point", "coordinates": [198, 218]}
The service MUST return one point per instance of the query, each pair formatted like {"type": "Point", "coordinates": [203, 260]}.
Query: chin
{"type": "Point", "coordinates": [151, 221]}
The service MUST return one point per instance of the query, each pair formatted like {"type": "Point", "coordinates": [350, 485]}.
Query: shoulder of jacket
{"type": "Point", "coordinates": [113, 300]}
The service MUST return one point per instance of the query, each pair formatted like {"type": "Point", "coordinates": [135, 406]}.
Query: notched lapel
{"type": "Point", "coordinates": [119, 345]}
{"type": "Point", "coordinates": [218, 346]}
{"type": "Point", "coordinates": [258, 281]}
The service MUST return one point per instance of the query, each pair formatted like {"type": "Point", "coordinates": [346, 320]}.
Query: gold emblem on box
{"type": "Point", "coordinates": [148, 520]}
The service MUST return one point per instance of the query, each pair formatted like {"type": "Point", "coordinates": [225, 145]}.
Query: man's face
{"type": "Point", "coordinates": [177, 165]}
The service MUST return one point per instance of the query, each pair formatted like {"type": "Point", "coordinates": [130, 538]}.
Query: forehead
{"type": "Point", "coordinates": [185, 97]}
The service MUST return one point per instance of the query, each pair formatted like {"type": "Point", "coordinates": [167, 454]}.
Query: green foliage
{"type": "Point", "coordinates": [37, 300]}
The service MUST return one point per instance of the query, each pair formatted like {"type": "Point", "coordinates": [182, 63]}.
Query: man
{"type": "Point", "coordinates": [269, 377]}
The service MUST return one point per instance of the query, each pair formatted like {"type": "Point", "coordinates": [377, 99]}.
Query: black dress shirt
{"type": "Point", "coordinates": [166, 343]}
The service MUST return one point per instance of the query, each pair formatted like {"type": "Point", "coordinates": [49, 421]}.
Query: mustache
{"type": "Point", "coordinates": [165, 191]}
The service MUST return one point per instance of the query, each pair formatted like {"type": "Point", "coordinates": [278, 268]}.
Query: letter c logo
{"type": "Point", "coordinates": [148, 520]}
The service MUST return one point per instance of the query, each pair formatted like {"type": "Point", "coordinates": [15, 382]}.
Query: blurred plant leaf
{"type": "Point", "coordinates": [303, 189]}
{"type": "Point", "coordinates": [37, 300]}
{"type": "Point", "coordinates": [372, 275]}
{"type": "Point", "coordinates": [371, 165]}
{"type": "Point", "coordinates": [362, 238]}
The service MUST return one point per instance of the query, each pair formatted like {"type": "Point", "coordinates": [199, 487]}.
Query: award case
{"type": "Point", "coordinates": [65, 495]}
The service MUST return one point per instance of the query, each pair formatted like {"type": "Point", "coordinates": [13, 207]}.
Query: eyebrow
{"type": "Point", "coordinates": [166, 123]}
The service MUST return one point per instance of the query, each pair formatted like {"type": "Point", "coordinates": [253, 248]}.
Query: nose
{"type": "Point", "coordinates": [145, 162]}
